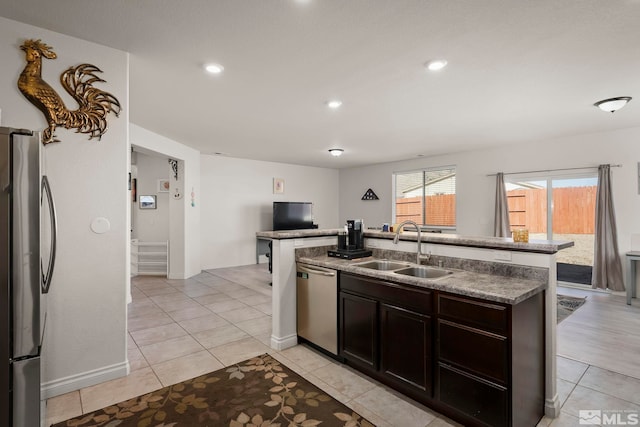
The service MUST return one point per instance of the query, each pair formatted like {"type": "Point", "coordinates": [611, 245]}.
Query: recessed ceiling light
{"type": "Point", "coordinates": [612, 105]}
{"type": "Point", "coordinates": [436, 64]}
{"type": "Point", "coordinates": [334, 104]}
{"type": "Point", "coordinates": [336, 152]}
{"type": "Point", "coordinates": [214, 68]}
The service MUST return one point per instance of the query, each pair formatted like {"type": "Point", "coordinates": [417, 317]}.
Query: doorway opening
{"type": "Point", "coordinates": [150, 213]}
{"type": "Point", "coordinates": [558, 208]}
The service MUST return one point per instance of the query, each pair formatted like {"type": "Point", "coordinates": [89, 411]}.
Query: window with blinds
{"type": "Point", "coordinates": [427, 197]}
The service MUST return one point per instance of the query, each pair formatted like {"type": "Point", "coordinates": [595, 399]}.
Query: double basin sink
{"type": "Point", "coordinates": [405, 268]}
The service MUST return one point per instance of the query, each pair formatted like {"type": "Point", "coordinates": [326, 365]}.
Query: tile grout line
{"type": "Point", "coordinates": [143, 356]}
{"type": "Point", "coordinates": [151, 366]}
{"type": "Point", "coordinates": [590, 365]}
{"type": "Point", "coordinates": [600, 391]}
{"type": "Point", "coordinates": [181, 327]}
{"type": "Point", "coordinates": [80, 399]}
{"type": "Point", "coordinates": [191, 335]}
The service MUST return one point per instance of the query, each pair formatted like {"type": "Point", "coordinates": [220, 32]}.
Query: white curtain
{"type": "Point", "coordinates": [501, 226]}
{"type": "Point", "coordinates": [607, 268]}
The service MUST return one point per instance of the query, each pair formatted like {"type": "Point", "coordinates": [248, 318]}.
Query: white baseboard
{"type": "Point", "coordinates": [552, 407]}
{"type": "Point", "coordinates": [285, 342]}
{"type": "Point", "coordinates": [85, 379]}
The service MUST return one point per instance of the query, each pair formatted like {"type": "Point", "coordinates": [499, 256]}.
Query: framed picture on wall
{"type": "Point", "coordinates": [163, 186]}
{"type": "Point", "coordinates": [147, 202]}
{"type": "Point", "coordinates": [278, 186]}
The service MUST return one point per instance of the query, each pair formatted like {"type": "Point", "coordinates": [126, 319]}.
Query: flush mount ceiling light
{"type": "Point", "coordinates": [435, 64]}
{"type": "Point", "coordinates": [336, 152]}
{"type": "Point", "coordinates": [334, 104]}
{"type": "Point", "coordinates": [214, 68]}
{"type": "Point", "coordinates": [612, 105]}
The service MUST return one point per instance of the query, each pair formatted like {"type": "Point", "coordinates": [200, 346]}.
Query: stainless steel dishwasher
{"type": "Point", "coordinates": [317, 306]}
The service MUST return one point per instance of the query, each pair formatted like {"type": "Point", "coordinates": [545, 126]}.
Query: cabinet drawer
{"type": "Point", "coordinates": [483, 315]}
{"type": "Point", "coordinates": [480, 352]}
{"type": "Point", "coordinates": [418, 300]}
{"type": "Point", "coordinates": [474, 397]}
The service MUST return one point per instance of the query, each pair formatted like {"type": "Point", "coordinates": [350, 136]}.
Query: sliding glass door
{"type": "Point", "coordinates": [558, 208]}
{"type": "Point", "coordinates": [574, 207]}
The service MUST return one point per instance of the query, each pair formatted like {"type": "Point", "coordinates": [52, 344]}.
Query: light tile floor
{"type": "Point", "coordinates": [598, 364]}
{"type": "Point", "coordinates": [179, 329]}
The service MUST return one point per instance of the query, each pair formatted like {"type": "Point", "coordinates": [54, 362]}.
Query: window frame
{"type": "Point", "coordinates": [424, 172]}
{"type": "Point", "coordinates": [548, 177]}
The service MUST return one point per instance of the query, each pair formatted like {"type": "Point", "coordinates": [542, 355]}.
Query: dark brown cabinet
{"type": "Point", "coordinates": [486, 403]}
{"type": "Point", "coordinates": [405, 347]}
{"type": "Point", "coordinates": [473, 358]}
{"type": "Point", "coordinates": [478, 362]}
{"type": "Point", "coordinates": [490, 360]}
{"type": "Point", "coordinates": [386, 331]}
{"type": "Point", "coordinates": [358, 330]}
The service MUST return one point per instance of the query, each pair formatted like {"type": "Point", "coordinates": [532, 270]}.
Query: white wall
{"type": "Point", "coordinates": [237, 200]}
{"type": "Point", "coordinates": [476, 191]}
{"type": "Point", "coordinates": [85, 339]}
{"type": "Point", "coordinates": [184, 217]}
{"type": "Point", "coordinates": [151, 225]}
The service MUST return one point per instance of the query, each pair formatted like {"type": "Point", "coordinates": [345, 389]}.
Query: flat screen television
{"type": "Point", "coordinates": [292, 215]}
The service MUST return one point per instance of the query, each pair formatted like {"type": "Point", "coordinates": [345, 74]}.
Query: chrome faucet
{"type": "Point", "coordinates": [419, 254]}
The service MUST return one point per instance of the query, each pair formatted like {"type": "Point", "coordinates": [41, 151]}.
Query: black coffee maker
{"type": "Point", "coordinates": [355, 234]}
{"type": "Point", "coordinates": [351, 242]}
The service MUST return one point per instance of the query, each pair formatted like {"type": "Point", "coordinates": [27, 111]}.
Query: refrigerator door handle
{"type": "Point", "coordinates": [46, 277]}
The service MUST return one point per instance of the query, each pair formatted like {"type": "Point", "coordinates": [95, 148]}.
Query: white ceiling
{"type": "Point", "coordinates": [519, 71]}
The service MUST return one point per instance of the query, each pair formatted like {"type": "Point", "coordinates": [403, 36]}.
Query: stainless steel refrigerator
{"type": "Point", "coordinates": [24, 276]}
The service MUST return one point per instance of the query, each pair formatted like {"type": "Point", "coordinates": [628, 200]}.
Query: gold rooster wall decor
{"type": "Point", "coordinates": [93, 104]}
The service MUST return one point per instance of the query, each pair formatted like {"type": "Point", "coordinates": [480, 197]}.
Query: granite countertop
{"type": "Point", "coordinates": [508, 290]}
{"type": "Point", "coordinates": [507, 243]}
{"type": "Point", "coordinates": [487, 242]}
{"type": "Point", "coordinates": [297, 234]}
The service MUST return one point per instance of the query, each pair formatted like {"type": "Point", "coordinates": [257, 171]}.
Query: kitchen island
{"type": "Point", "coordinates": [469, 345]}
{"type": "Point", "coordinates": [480, 260]}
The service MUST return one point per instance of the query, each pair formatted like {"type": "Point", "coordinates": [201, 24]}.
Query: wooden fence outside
{"type": "Point", "coordinates": [441, 210]}
{"type": "Point", "coordinates": [573, 210]}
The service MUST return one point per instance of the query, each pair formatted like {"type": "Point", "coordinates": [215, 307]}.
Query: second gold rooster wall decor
{"type": "Point", "coordinates": [93, 104]}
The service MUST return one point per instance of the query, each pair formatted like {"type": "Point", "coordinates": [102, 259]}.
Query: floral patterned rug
{"type": "Point", "coordinates": [259, 392]}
